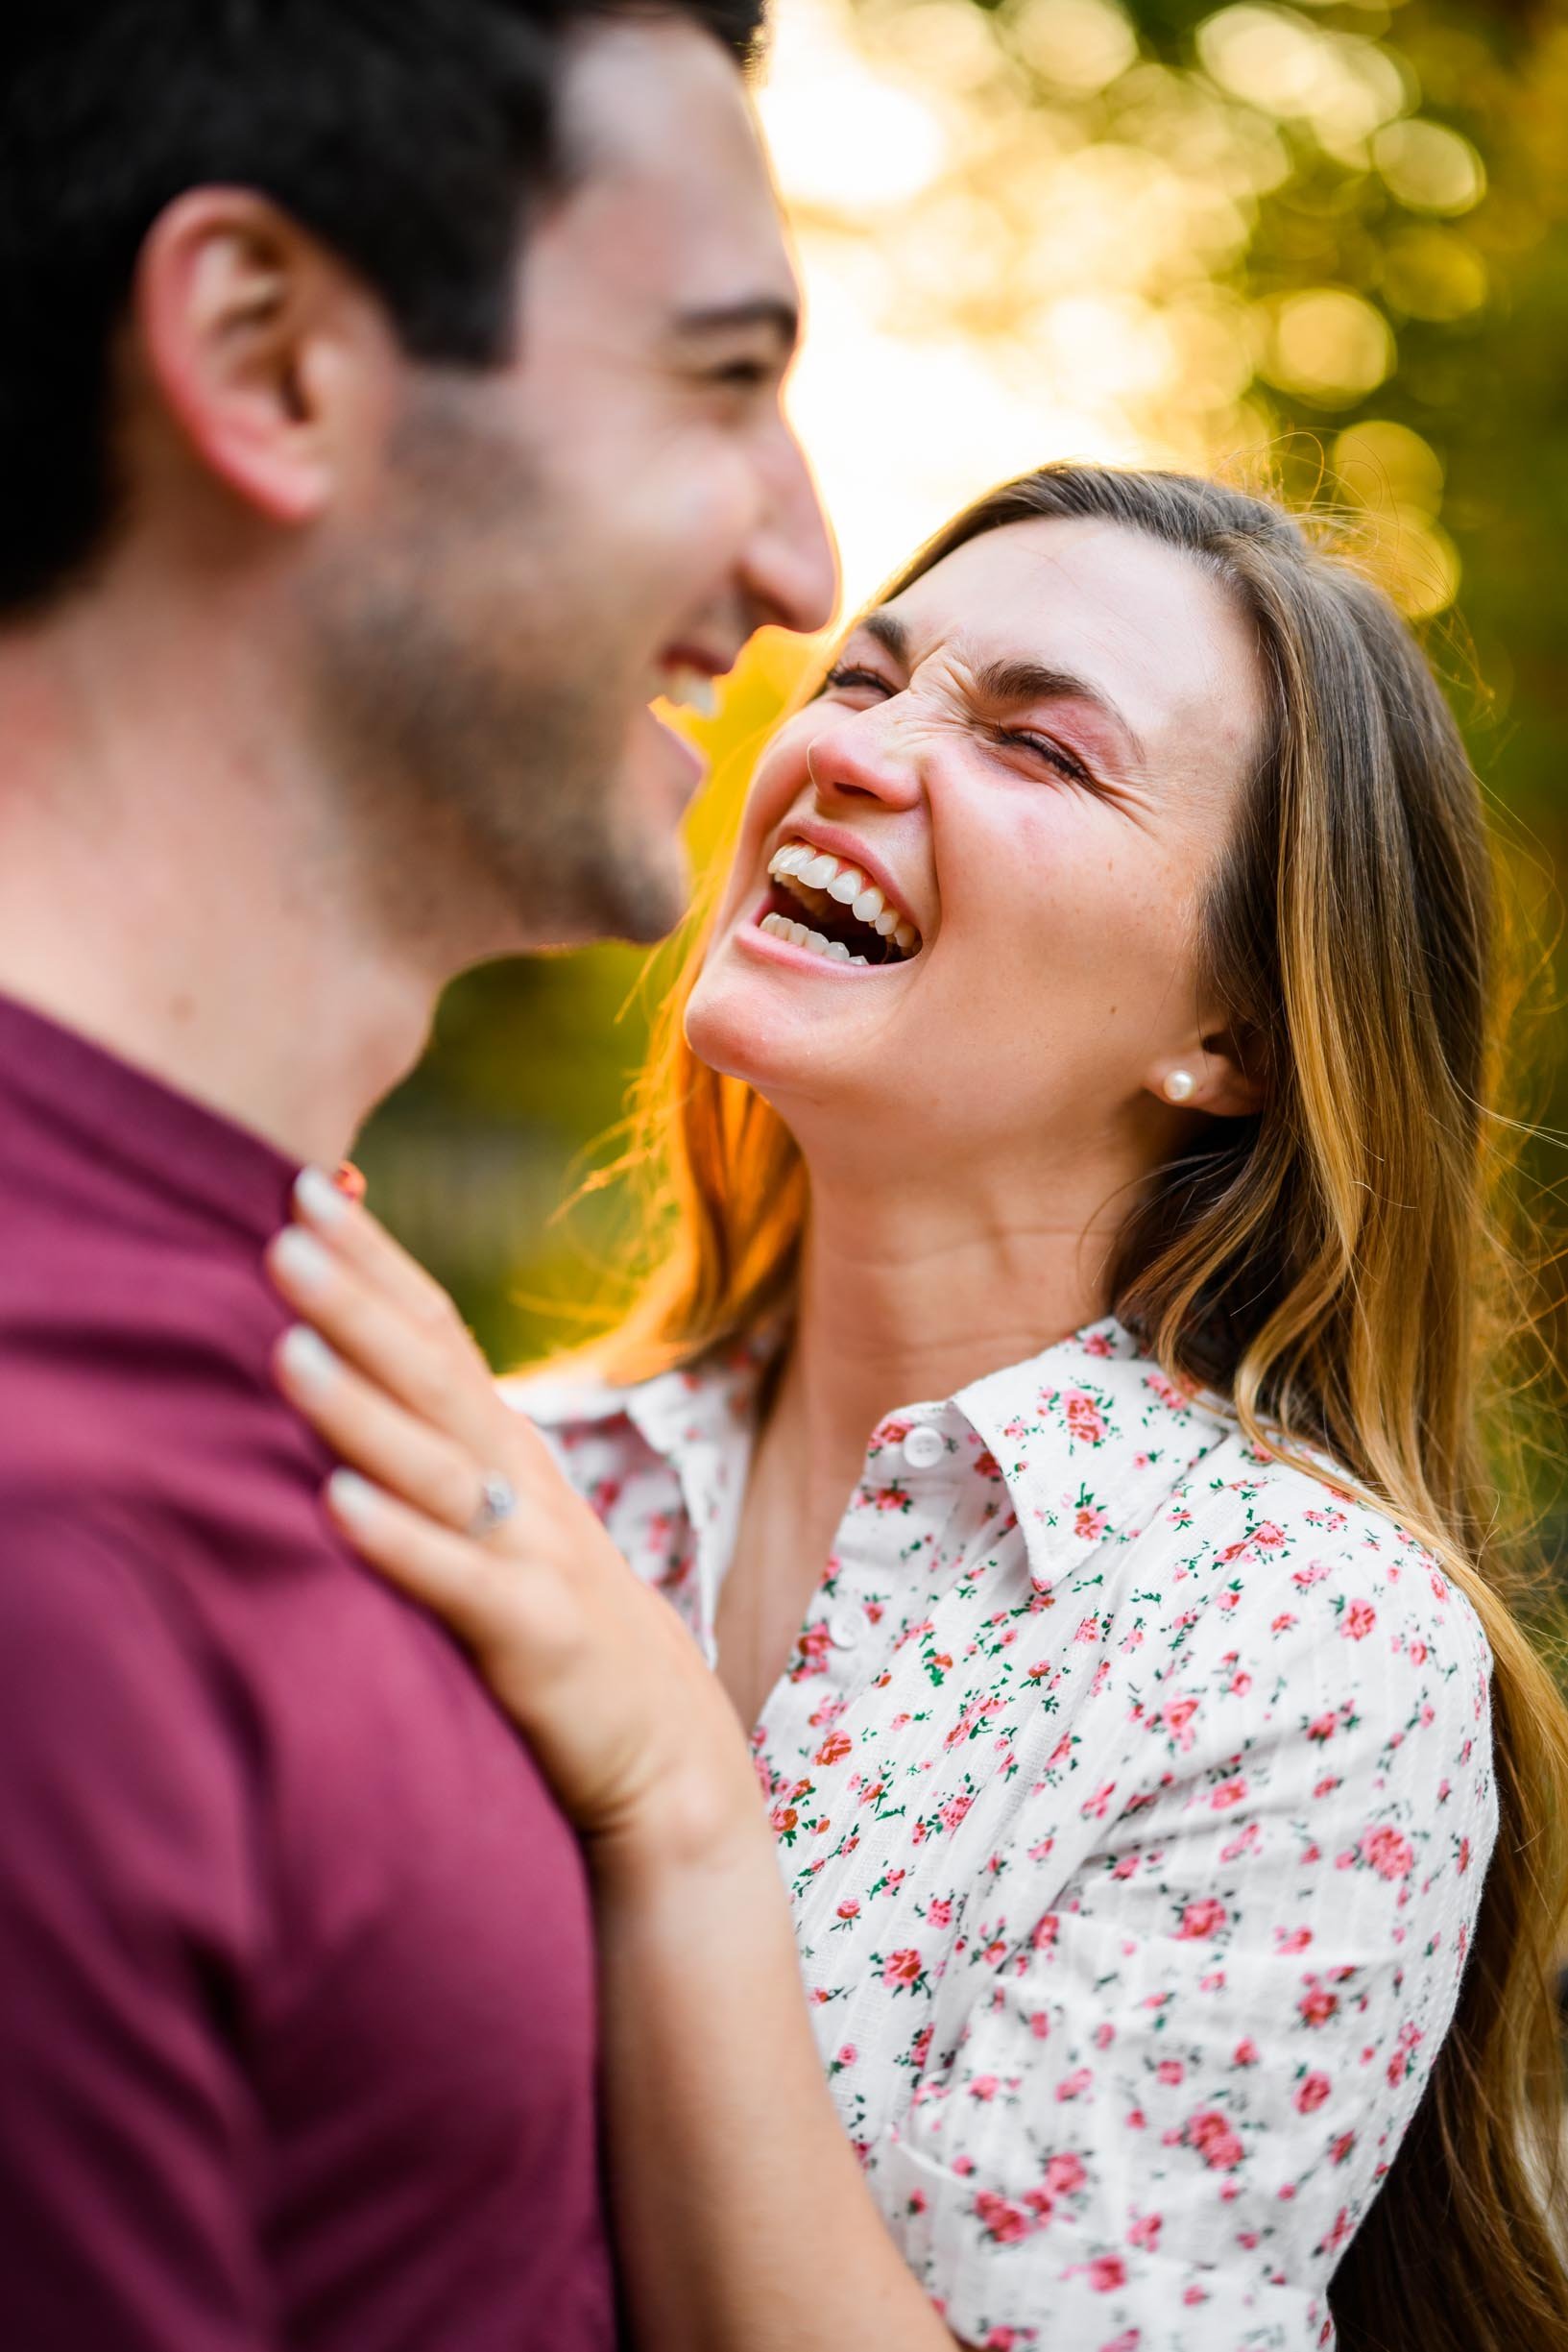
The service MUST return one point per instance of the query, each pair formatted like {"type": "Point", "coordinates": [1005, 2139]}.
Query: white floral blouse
{"type": "Point", "coordinates": [1134, 1796]}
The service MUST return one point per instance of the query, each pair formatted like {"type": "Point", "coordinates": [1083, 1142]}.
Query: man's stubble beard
{"type": "Point", "coordinates": [465, 684]}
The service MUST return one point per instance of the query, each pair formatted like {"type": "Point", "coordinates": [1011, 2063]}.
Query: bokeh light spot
{"type": "Point", "coordinates": [1430, 167]}
{"type": "Point", "coordinates": [1383, 464]}
{"type": "Point", "coordinates": [850, 137]}
{"type": "Point", "coordinates": [1329, 347]}
{"type": "Point", "coordinates": [1417, 563]}
{"type": "Point", "coordinates": [1432, 272]}
{"type": "Point", "coordinates": [1080, 45]}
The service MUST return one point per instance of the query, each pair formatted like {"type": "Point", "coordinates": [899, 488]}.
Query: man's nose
{"type": "Point", "coordinates": [792, 564]}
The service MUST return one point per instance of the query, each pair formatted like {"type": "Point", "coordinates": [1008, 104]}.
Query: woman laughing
{"type": "Point", "coordinates": [1044, 1455]}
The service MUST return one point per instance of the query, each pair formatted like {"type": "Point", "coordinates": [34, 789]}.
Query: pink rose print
{"type": "Point", "coordinates": [1085, 1424]}
{"type": "Point", "coordinates": [1201, 1919]}
{"type": "Point", "coordinates": [1403, 2061]}
{"type": "Point", "coordinates": [1311, 2093]}
{"type": "Point", "coordinates": [1003, 2223]}
{"type": "Point", "coordinates": [810, 1652]}
{"type": "Point", "coordinates": [836, 1745]}
{"type": "Point", "coordinates": [901, 1970]}
{"type": "Point", "coordinates": [1358, 1620]}
{"type": "Point", "coordinates": [1177, 1717]}
{"type": "Point", "coordinates": [1392, 1856]}
{"type": "Point", "coordinates": [1212, 2136]}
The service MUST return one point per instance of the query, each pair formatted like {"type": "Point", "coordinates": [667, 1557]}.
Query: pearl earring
{"type": "Point", "coordinates": [1179, 1085]}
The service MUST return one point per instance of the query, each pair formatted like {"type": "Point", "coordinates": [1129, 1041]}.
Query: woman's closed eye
{"type": "Point", "coordinates": [852, 674]}
{"type": "Point", "coordinates": [1045, 747]}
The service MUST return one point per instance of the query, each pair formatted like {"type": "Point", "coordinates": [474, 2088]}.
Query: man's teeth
{"type": "Point", "coordinates": [692, 688]}
{"type": "Point", "coordinates": [807, 869]}
{"type": "Point", "coordinates": [798, 935]}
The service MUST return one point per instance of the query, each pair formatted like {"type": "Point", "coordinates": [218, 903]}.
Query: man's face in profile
{"type": "Point", "coordinates": [569, 535]}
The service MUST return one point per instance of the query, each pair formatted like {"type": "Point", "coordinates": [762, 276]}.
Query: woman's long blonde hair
{"type": "Point", "coordinates": [1335, 1265]}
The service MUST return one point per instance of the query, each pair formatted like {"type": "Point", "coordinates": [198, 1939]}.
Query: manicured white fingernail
{"type": "Point", "coordinates": [301, 1258]}
{"type": "Point", "coordinates": [318, 1197]}
{"type": "Point", "coordinates": [306, 1358]}
{"type": "Point", "coordinates": [351, 1496]}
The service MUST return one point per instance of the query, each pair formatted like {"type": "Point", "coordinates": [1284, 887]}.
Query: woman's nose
{"type": "Point", "coordinates": [859, 756]}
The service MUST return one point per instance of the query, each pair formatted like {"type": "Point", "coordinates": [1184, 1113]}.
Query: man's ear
{"type": "Point", "coordinates": [262, 348]}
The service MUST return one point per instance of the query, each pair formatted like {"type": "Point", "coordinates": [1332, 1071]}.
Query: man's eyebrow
{"type": "Point", "coordinates": [768, 312]}
{"type": "Point", "coordinates": [1038, 682]}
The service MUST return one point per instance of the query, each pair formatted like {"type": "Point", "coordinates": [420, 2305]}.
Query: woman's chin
{"type": "Point", "coordinates": [745, 1033]}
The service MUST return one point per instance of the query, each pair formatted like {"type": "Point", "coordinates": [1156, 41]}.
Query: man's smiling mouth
{"type": "Point", "coordinates": [849, 919]}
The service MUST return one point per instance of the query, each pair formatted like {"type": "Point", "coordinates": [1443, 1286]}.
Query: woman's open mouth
{"type": "Point", "coordinates": [827, 907]}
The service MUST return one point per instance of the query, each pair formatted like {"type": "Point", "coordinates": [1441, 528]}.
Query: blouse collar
{"type": "Point", "coordinates": [1089, 1437]}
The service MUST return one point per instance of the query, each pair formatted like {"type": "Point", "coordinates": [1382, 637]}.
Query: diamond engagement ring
{"type": "Point", "coordinates": [498, 1501]}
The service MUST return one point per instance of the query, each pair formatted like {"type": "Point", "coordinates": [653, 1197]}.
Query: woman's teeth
{"type": "Point", "coordinates": [798, 935]}
{"type": "Point", "coordinates": [813, 873]}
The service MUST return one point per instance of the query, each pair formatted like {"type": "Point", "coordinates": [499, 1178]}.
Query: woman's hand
{"type": "Point", "coordinates": [727, 2152]}
{"type": "Point", "coordinates": [635, 1734]}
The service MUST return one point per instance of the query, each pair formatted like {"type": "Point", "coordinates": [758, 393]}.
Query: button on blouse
{"type": "Point", "coordinates": [1134, 1797]}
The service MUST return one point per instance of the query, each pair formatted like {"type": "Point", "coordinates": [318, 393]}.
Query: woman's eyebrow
{"type": "Point", "coordinates": [890, 634]}
{"type": "Point", "coordinates": [1038, 682]}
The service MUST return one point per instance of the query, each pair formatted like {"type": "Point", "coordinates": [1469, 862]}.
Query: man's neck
{"type": "Point", "coordinates": [171, 887]}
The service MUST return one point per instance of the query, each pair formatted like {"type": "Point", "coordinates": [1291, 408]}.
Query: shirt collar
{"type": "Point", "coordinates": [1089, 1435]}
{"type": "Point", "coordinates": [697, 1404]}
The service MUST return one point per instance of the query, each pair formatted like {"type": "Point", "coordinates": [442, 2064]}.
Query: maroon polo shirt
{"type": "Point", "coordinates": [297, 2038]}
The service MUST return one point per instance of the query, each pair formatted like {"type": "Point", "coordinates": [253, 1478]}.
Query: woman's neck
{"type": "Point", "coordinates": [905, 1301]}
